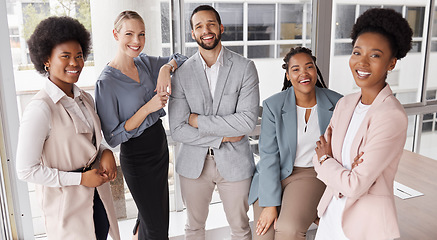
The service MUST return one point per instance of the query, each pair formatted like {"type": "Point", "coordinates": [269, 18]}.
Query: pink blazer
{"type": "Point", "coordinates": [370, 211]}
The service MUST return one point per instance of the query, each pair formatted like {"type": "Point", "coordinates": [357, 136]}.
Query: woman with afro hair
{"type": "Point", "coordinates": [59, 145]}
{"type": "Point", "coordinates": [358, 156]}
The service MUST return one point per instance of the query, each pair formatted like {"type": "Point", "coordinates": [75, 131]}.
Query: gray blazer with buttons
{"type": "Point", "coordinates": [233, 112]}
{"type": "Point", "coordinates": [278, 142]}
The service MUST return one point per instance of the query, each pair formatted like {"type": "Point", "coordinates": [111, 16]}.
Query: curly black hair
{"type": "Point", "coordinates": [388, 23]}
{"type": "Point", "coordinates": [53, 31]}
{"type": "Point", "coordinates": [291, 53]}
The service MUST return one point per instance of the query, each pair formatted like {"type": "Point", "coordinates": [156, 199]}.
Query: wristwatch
{"type": "Point", "coordinates": [323, 158]}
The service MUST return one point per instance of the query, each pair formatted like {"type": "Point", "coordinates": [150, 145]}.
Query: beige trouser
{"type": "Point", "coordinates": [197, 194]}
{"type": "Point", "coordinates": [301, 193]}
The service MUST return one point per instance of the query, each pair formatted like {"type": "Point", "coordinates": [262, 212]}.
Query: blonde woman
{"type": "Point", "coordinates": [130, 112]}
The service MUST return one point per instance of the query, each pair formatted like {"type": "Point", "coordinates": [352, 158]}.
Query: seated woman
{"type": "Point", "coordinates": [284, 190]}
{"type": "Point", "coordinates": [59, 141]}
{"type": "Point", "coordinates": [358, 202]}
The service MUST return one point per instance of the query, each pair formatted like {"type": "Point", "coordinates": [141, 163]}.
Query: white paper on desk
{"type": "Point", "coordinates": [403, 192]}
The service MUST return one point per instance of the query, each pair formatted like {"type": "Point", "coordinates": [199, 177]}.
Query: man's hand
{"type": "Point", "coordinates": [232, 139]}
{"type": "Point", "coordinates": [192, 120]}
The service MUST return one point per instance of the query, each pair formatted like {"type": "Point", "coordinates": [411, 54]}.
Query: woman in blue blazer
{"type": "Point", "coordinates": [284, 190]}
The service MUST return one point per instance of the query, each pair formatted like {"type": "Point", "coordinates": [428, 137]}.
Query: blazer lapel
{"type": "Point", "coordinates": [289, 118]}
{"type": "Point", "coordinates": [324, 109]}
{"type": "Point", "coordinates": [361, 133]}
{"type": "Point", "coordinates": [343, 124]}
{"type": "Point", "coordinates": [203, 82]}
{"type": "Point", "coordinates": [222, 79]}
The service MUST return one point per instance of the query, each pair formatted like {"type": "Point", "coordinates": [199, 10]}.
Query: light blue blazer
{"type": "Point", "coordinates": [278, 142]}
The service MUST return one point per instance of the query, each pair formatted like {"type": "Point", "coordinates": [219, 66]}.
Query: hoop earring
{"type": "Point", "coordinates": [46, 68]}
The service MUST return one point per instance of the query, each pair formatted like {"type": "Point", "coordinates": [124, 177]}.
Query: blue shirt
{"type": "Point", "coordinates": [118, 97]}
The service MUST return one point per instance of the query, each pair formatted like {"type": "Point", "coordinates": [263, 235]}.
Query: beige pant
{"type": "Point", "coordinates": [197, 194]}
{"type": "Point", "coordinates": [301, 193]}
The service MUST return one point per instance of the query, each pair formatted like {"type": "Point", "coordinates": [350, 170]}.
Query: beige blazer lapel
{"type": "Point", "coordinates": [222, 79]}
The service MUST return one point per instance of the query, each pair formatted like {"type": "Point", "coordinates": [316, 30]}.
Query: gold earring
{"type": "Point", "coordinates": [46, 68]}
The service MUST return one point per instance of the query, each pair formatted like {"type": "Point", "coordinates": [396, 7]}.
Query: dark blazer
{"type": "Point", "coordinates": [278, 142]}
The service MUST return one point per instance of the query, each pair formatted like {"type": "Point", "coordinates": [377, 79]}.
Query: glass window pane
{"type": "Point", "coordinates": [266, 51]}
{"type": "Point", "coordinates": [431, 86]}
{"type": "Point", "coordinates": [283, 49]}
{"type": "Point", "coordinates": [343, 49]}
{"type": "Point", "coordinates": [237, 49]}
{"type": "Point", "coordinates": [231, 15]}
{"type": "Point", "coordinates": [261, 22]}
{"type": "Point", "coordinates": [345, 19]}
{"type": "Point", "coordinates": [396, 8]}
{"type": "Point", "coordinates": [415, 17]}
{"type": "Point", "coordinates": [290, 21]}
{"type": "Point", "coordinates": [364, 8]}
{"type": "Point", "coordinates": [165, 23]}
{"type": "Point", "coordinates": [429, 136]}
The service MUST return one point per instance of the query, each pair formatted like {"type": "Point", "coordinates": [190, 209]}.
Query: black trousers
{"type": "Point", "coordinates": [144, 162]}
{"type": "Point", "coordinates": [101, 223]}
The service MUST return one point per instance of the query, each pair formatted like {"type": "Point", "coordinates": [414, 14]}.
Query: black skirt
{"type": "Point", "coordinates": [144, 161]}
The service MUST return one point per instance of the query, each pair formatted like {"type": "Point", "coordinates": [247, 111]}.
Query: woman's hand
{"type": "Point", "coordinates": [164, 79]}
{"type": "Point", "coordinates": [157, 102]}
{"type": "Point", "coordinates": [267, 217]}
{"type": "Point", "coordinates": [93, 178]}
{"type": "Point", "coordinates": [357, 160]}
{"type": "Point", "coordinates": [324, 145]}
{"type": "Point", "coordinates": [107, 164]}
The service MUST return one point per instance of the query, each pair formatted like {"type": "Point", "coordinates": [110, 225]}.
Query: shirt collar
{"type": "Point", "coordinates": [56, 94]}
{"type": "Point", "coordinates": [219, 59]}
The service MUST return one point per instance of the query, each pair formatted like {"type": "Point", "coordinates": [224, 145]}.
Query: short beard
{"type": "Point", "coordinates": [216, 42]}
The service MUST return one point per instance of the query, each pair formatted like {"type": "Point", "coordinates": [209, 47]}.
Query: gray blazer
{"type": "Point", "coordinates": [233, 112]}
{"type": "Point", "coordinates": [278, 142]}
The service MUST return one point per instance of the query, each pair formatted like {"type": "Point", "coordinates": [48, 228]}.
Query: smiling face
{"type": "Point", "coordinates": [131, 37]}
{"type": "Point", "coordinates": [65, 64]}
{"type": "Point", "coordinates": [206, 30]}
{"type": "Point", "coordinates": [370, 61]}
{"type": "Point", "coordinates": [302, 73]}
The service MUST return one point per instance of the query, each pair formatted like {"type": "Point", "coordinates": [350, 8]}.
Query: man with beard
{"type": "Point", "coordinates": [212, 109]}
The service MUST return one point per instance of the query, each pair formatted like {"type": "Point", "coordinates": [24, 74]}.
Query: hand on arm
{"type": "Point", "coordinates": [107, 164]}
{"type": "Point", "coordinates": [164, 77]}
{"type": "Point", "coordinates": [357, 160]}
{"type": "Point", "coordinates": [93, 178]}
{"type": "Point", "coordinates": [157, 102]}
{"type": "Point", "coordinates": [192, 120]}
{"type": "Point", "coordinates": [268, 216]}
{"type": "Point", "coordinates": [324, 145]}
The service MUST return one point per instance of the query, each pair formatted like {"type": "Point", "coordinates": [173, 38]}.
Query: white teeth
{"type": "Point", "coordinates": [361, 73]}
{"type": "Point", "coordinates": [72, 71]}
{"type": "Point", "coordinates": [134, 48]}
{"type": "Point", "coordinates": [304, 81]}
{"type": "Point", "coordinates": [206, 38]}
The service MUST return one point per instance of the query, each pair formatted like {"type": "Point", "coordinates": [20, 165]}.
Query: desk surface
{"type": "Point", "coordinates": [418, 216]}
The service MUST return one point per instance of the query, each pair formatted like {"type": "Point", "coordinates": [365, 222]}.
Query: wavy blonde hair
{"type": "Point", "coordinates": [126, 15]}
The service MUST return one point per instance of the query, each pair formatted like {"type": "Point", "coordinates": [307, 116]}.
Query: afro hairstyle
{"type": "Point", "coordinates": [53, 31]}
{"type": "Point", "coordinates": [388, 23]}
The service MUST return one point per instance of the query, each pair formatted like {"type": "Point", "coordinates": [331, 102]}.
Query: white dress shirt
{"type": "Point", "coordinates": [308, 132]}
{"type": "Point", "coordinates": [35, 128]}
{"type": "Point", "coordinates": [213, 71]}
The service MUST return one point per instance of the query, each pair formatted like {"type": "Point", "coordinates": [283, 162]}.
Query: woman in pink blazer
{"type": "Point", "coordinates": [358, 156]}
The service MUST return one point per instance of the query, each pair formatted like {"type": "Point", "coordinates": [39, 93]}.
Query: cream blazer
{"type": "Point", "coordinates": [68, 211]}
{"type": "Point", "coordinates": [370, 212]}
